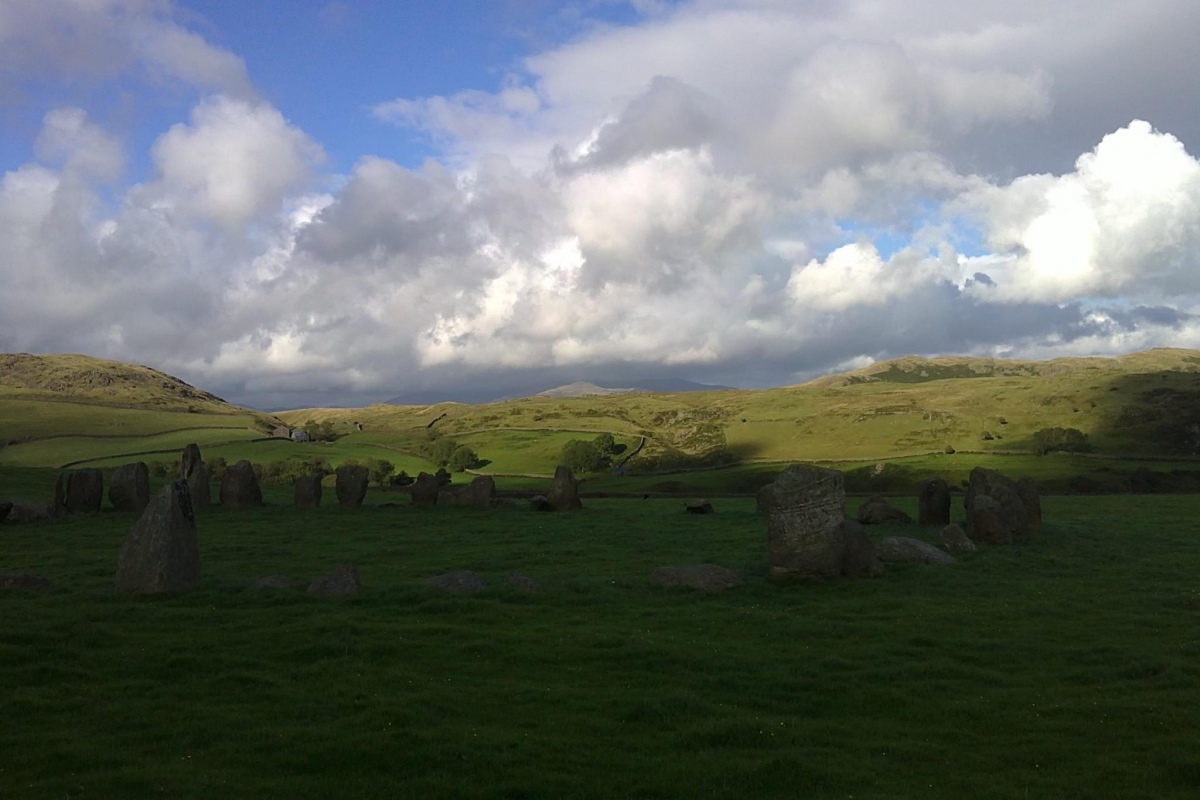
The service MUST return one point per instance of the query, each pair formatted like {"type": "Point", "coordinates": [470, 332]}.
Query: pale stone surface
{"type": "Point", "coordinates": [162, 551]}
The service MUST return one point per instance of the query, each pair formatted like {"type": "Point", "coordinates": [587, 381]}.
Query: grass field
{"type": "Point", "coordinates": [1066, 666]}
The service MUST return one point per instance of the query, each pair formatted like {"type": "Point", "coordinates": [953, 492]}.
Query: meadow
{"type": "Point", "coordinates": [1065, 666]}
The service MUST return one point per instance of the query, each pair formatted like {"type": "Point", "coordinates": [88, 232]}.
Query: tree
{"type": "Point", "coordinates": [606, 443]}
{"type": "Point", "coordinates": [1062, 440]}
{"type": "Point", "coordinates": [216, 467]}
{"type": "Point", "coordinates": [463, 458]}
{"type": "Point", "coordinates": [440, 450]}
{"type": "Point", "coordinates": [379, 470]}
{"type": "Point", "coordinates": [582, 456]}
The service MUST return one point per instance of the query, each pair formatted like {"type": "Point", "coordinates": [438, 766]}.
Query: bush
{"type": "Point", "coordinates": [463, 458]}
{"type": "Point", "coordinates": [1062, 440]}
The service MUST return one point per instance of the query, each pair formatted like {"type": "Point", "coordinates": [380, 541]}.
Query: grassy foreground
{"type": "Point", "coordinates": [1065, 666]}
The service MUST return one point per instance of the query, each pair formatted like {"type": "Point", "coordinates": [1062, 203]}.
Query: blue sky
{"type": "Point", "coordinates": [338, 202]}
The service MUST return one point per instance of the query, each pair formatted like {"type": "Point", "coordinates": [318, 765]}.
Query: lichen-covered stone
{"type": "Point", "coordinates": [306, 492]}
{"type": "Point", "coordinates": [162, 551]}
{"type": "Point", "coordinates": [239, 487]}
{"type": "Point", "coordinates": [564, 491]}
{"type": "Point", "coordinates": [129, 487]}
{"type": "Point", "coordinates": [83, 491]}
{"type": "Point", "coordinates": [805, 538]}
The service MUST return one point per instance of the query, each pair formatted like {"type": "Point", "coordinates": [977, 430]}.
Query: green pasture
{"type": "Point", "coordinates": [33, 419]}
{"type": "Point", "coordinates": [537, 452]}
{"type": "Point", "coordinates": [1067, 665]}
{"type": "Point", "coordinates": [111, 451]}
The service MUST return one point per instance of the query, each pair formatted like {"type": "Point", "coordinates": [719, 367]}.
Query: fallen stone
{"type": "Point", "coordinates": [27, 511]}
{"type": "Point", "coordinates": [523, 582]}
{"type": "Point", "coordinates": [903, 550]}
{"type": "Point", "coordinates": [955, 540]}
{"type": "Point", "coordinates": [162, 551]}
{"type": "Point", "coordinates": [698, 507]}
{"type": "Point", "coordinates": [462, 582]}
{"type": "Point", "coordinates": [880, 512]}
{"type": "Point", "coordinates": [342, 582]}
{"type": "Point", "coordinates": [23, 580]}
{"type": "Point", "coordinates": [539, 503]}
{"type": "Point", "coordinates": [708, 577]}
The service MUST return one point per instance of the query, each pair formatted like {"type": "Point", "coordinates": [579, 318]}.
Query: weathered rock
{"type": "Point", "coordinates": [4, 509]}
{"type": "Point", "coordinates": [351, 485]}
{"type": "Point", "coordinates": [239, 487]}
{"type": "Point", "coordinates": [462, 582]}
{"type": "Point", "coordinates": [1027, 490]}
{"type": "Point", "coordinates": [564, 491]}
{"type": "Point", "coordinates": [955, 540]}
{"type": "Point", "coordinates": [539, 503]}
{"type": "Point", "coordinates": [27, 511]}
{"type": "Point", "coordinates": [933, 503]}
{"type": "Point", "coordinates": [306, 492]}
{"type": "Point", "coordinates": [988, 522]}
{"type": "Point", "coordinates": [162, 551]}
{"type": "Point", "coordinates": [1003, 490]}
{"type": "Point", "coordinates": [878, 511]}
{"type": "Point", "coordinates": [805, 536]}
{"type": "Point", "coordinates": [23, 580]}
{"type": "Point", "coordinates": [342, 582]}
{"type": "Point", "coordinates": [859, 559]}
{"type": "Point", "coordinates": [425, 490]}
{"type": "Point", "coordinates": [709, 577]}
{"type": "Point", "coordinates": [523, 582]}
{"type": "Point", "coordinates": [903, 550]}
{"type": "Point", "coordinates": [129, 487]}
{"type": "Point", "coordinates": [764, 498]}
{"type": "Point", "coordinates": [480, 492]}
{"type": "Point", "coordinates": [84, 491]}
{"type": "Point", "coordinates": [193, 471]}
{"type": "Point", "coordinates": [698, 507]}
{"type": "Point", "coordinates": [273, 582]}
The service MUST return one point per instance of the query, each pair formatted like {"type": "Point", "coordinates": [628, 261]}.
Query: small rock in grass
{"type": "Point", "coordinates": [903, 550]}
{"type": "Point", "coordinates": [955, 540]}
{"type": "Point", "coordinates": [273, 582]}
{"type": "Point", "coordinates": [342, 582]}
{"type": "Point", "coordinates": [708, 577]}
{"type": "Point", "coordinates": [462, 582]}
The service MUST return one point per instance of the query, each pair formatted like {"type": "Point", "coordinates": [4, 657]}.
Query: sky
{"type": "Point", "coordinates": [303, 202]}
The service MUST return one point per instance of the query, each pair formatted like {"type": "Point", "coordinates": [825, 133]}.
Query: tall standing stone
{"type": "Point", "coordinates": [351, 486]}
{"type": "Point", "coordinates": [933, 503]}
{"type": "Point", "coordinates": [129, 487]}
{"type": "Point", "coordinates": [805, 536]}
{"type": "Point", "coordinates": [1002, 489]}
{"type": "Point", "coordinates": [194, 472]}
{"type": "Point", "coordinates": [425, 490]}
{"type": "Point", "coordinates": [764, 498]}
{"type": "Point", "coordinates": [162, 551]}
{"type": "Point", "coordinates": [988, 521]}
{"type": "Point", "coordinates": [239, 487]}
{"type": "Point", "coordinates": [480, 492]}
{"type": "Point", "coordinates": [564, 491]}
{"type": "Point", "coordinates": [307, 492]}
{"type": "Point", "coordinates": [84, 491]}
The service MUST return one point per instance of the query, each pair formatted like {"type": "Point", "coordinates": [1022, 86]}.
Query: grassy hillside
{"type": "Point", "coordinates": [1141, 405]}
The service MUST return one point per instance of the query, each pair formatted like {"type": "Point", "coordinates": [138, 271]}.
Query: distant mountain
{"type": "Point", "coordinates": [429, 397]}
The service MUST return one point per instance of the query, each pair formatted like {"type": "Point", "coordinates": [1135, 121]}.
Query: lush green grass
{"type": "Point", "coordinates": [1064, 666]}
{"type": "Point", "coordinates": [526, 451]}
{"type": "Point", "coordinates": [110, 451]}
{"type": "Point", "coordinates": [32, 419]}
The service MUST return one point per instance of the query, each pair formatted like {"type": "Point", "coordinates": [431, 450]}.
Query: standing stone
{"type": "Point", "coordinates": [1003, 490]}
{"type": "Point", "coordinates": [425, 490]}
{"type": "Point", "coordinates": [955, 540]}
{"type": "Point", "coordinates": [194, 472]}
{"type": "Point", "coordinates": [805, 536]}
{"type": "Point", "coordinates": [342, 582]}
{"type": "Point", "coordinates": [26, 511]}
{"type": "Point", "coordinates": [564, 491]}
{"type": "Point", "coordinates": [351, 486]}
{"type": "Point", "coordinates": [307, 492]}
{"type": "Point", "coordinates": [1027, 490]}
{"type": "Point", "coordinates": [480, 492]}
{"type": "Point", "coordinates": [129, 487]}
{"type": "Point", "coordinates": [239, 487]}
{"type": "Point", "coordinates": [988, 521]}
{"type": "Point", "coordinates": [84, 491]}
{"type": "Point", "coordinates": [933, 503]}
{"type": "Point", "coordinates": [764, 498]}
{"type": "Point", "coordinates": [162, 551]}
